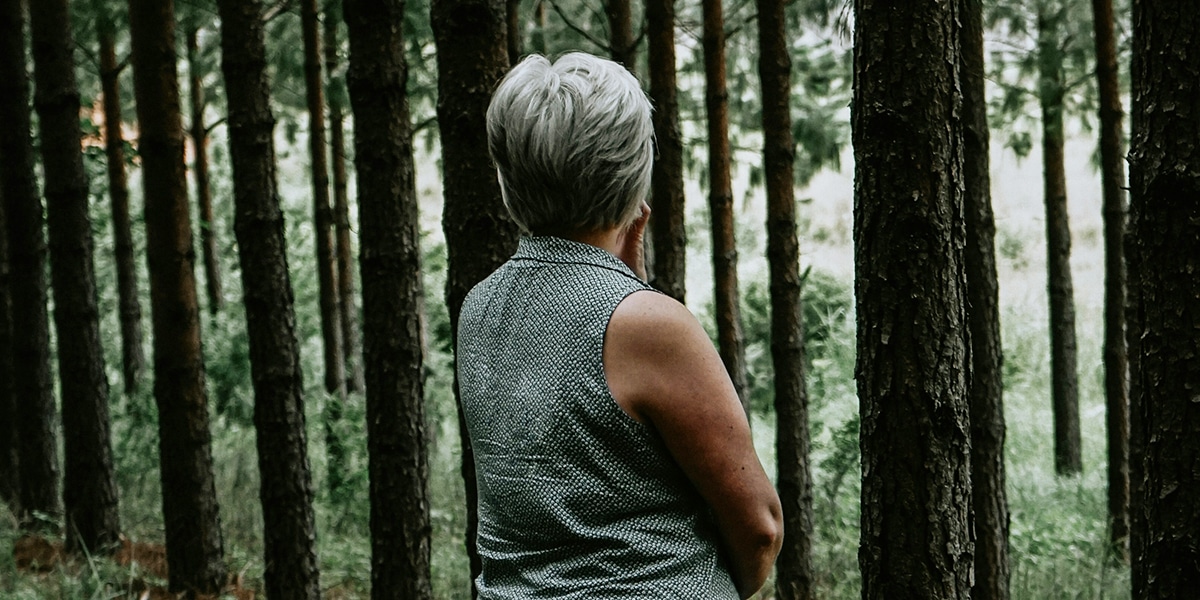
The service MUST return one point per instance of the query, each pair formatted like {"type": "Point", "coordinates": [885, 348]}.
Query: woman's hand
{"type": "Point", "coordinates": [632, 244]}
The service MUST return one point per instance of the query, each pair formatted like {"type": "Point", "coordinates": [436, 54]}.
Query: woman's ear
{"type": "Point", "coordinates": [632, 247]}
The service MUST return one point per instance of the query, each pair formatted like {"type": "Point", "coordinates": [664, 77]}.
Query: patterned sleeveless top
{"type": "Point", "coordinates": [576, 498]}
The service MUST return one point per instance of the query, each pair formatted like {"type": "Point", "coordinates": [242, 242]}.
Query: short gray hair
{"type": "Point", "coordinates": [573, 143]}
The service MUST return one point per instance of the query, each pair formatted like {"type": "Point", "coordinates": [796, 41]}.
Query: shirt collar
{"type": "Point", "coordinates": [550, 249]}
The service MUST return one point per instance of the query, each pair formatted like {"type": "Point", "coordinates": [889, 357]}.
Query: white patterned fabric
{"type": "Point", "coordinates": [576, 498]}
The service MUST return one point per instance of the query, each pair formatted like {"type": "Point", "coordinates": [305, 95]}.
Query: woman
{"type": "Point", "coordinates": [613, 458]}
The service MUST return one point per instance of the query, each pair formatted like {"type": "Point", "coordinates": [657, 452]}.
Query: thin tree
{"type": "Point", "coordinates": [331, 326]}
{"type": "Point", "coordinates": [989, 500]}
{"type": "Point", "coordinates": [512, 16]}
{"type": "Point", "coordinates": [667, 227]}
{"type": "Point", "coordinates": [199, 134]}
{"type": "Point", "coordinates": [1164, 225]}
{"type": "Point", "coordinates": [389, 262]}
{"type": "Point", "coordinates": [341, 199]}
{"type": "Point", "coordinates": [286, 487]}
{"type": "Point", "coordinates": [1064, 379]}
{"type": "Point", "coordinates": [480, 235]}
{"type": "Point", "coordinates": [794, 579]}
{"type": "Point", "coordinates": [622, 45]}
{"type": "Point", "coordinates": [730, 340]}
{"type": "Point", "coordinates": [37, 444]}
{"type": "Point", "coordinates": [1116, 362]}
{"type": "Point", "coordinates": [89, 489]}
{"type": "Point", "coordinates": [10, 490]}
{"type": "Point", "coordinates": [133, 359]}
{"type": "Point", "coordinates": [910, 295]}
{"type": "Point", "coordinates": [190, 514]}
{"type": "Point", "coordinates": [335, 449]}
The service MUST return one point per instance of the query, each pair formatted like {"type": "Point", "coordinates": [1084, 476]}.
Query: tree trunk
{"type": "Point", "coordinates": [539, 31]}
{"type": "Point", "coordinates": [480, 236]}
{"type": "Point", "coordinates": [513, 24]}
{"type": "Point", "coordinates": [667, 227]}
{"type": "Point", "coordinates": [37, 445]}
{"type": "Point", "coordinates": [208, 237]}
{"type": "Point", "coordinates": [794, 578]}
{"type": "Point", "coordinates": [1165, 227]}
{"type": "Point", "coordinates": [335, 449]}
{"type": "Point", "coordinates": [1116, 363]}
{"type": "Point", "coordinates": [89, 490]}
{"type": "Point", "coordinates": [286, 487]}
{"type": "Point", "coordinates": [190, 513]}
{"type": "Point", "coordinates": [911, 291]}
{"type": "Point", "coordinates": [331, 332]}
{"type": "Point", "coordinates": [389, 261]}
{"type": "Point", "coordinates": [1064, 380]}
{"type": "Point", "coordinates": [10, 488]}
{"type": "Point", "coordinates": [731, 342]}
{"type": "Point", "coordinates": [133, 358]}
{"type": "Point", "coordinates": [621, 43]}
{"type": "Point", "coordinates": [989, 499]}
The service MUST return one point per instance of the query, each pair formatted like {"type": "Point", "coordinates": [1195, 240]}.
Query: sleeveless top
{"type": "Point", "coordinates": [576, 498]}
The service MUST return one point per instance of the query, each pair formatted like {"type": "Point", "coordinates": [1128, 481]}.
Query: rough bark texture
{"type": "Point", "coordinates": [730, 340]}
{"type": "Point", "coordinates": [911, 291]}
{"type": "Point", "coordinates": [331, 325]}
{"type": "Point", "coordinates": [335, 449]}
{"type": "Point", "coordinates": [989, 499]}
{"type": "Point", "coordinates": [89, 490]}
{"type": "Point", "coordinates": [667, 227]}
{"type": "Point", "coordinates": [794, 578]}
{"type": "Point", "coordinates": [1116, 363]}
{"type": "Point", "coordinates": [199, 133]}
{"type": "Point", "coordinates": [1165, 228]}
{"type": "Point", "coordinates": [480, 236]}
{"type": "Point", "coordinates": [389, 261]}
{"type": "Point", "coordinates": [133, 359]}
{"type": "Point", "coordinates": [1064, 379]}
{"type": "Point", "coordinates": [10, 488]}
{"type": "Point", "coordinates": [37, 445]}
{"type": "Point", "coordinates": [285, 490]}
{"type": "Point", "coordinates": [190, 514]}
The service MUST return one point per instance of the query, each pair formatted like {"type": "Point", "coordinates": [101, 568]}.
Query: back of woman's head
{"type": "Point", "coordinates": [573, 144]}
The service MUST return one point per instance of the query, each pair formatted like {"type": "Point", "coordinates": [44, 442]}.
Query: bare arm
{"type": "Point", "coordinates": [663, 370]}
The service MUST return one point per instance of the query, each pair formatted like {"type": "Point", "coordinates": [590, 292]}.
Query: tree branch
{"type": "Point", "coordinates": [588, 36]}
{"type": "Point", "coordinates": [215, 124]}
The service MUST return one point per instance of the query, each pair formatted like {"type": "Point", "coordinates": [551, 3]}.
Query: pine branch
{"type": "Point", "coordinates": [215, 124]}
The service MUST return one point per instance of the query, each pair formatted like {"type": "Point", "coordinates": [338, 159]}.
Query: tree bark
{"type": "Point", "coordinates": [731, 342]}
{"type": "Point", "coordinates": [133, 358]}
{"type": "Point", "coordinates": [89, 490]}
{"type": "Point", "coordinates": [285, 490]}
{"type": "Point", "coordinates": [480, 235]}
{"type": "Point", "coordinates": [10, 487]}
{"type": "Point", "coordinates": [331, 332]}
{"type": "Point", "coordinates": [989, 499]}
{"type": "Point", "coordinates": [37, 444]}
{"type": "Point", "coordinates": [794, 578]}
{"type": "Point", "coordinates": [1165, 228]}
{"type": "Point", "coordinates": [190, 513]}
{"type": "Point", "coordinates": [621, 43]}
{"type": "Point", "coordinates": [389, 261]}
{"type": "Point", "coordinates": [199, 133]}
{"type": "Point", "coordinates": [335, 449]}
{"type": "Point", "coordinates": [1116, 363]}
{"type": "Point", "coordinates": [1064, 379]}
{"type": "Point", "coordinates": [667, 227]}
{"type": "Point", "coordinates": [913, 363]}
